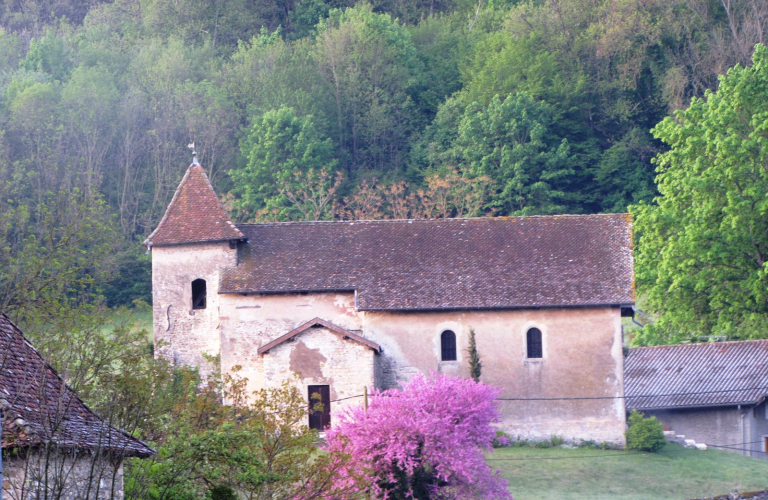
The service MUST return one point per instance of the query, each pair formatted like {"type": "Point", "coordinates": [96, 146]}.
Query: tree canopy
{"type": "Point", "coordinates": [702, 247]}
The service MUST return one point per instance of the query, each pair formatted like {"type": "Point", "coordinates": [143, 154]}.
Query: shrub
{"type": "Point", "coordinates": [427, 441]}
{"type": "Point", "coordinates": [501, 439]}
{"type": "Point", "coordinates": [644, 434]}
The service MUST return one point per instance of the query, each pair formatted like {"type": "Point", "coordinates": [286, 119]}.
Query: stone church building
{"type": "Point", "coordinates": [338, 306]}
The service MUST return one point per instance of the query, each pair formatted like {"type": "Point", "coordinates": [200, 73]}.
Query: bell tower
{"type": "Point", "coordinates": [193, 243]}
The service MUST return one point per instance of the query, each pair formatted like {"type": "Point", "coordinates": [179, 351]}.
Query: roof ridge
{"type": "Point", "coordinates": [446, 219]}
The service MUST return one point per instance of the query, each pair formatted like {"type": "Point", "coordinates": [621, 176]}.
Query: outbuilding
{"type": "Point", "coordinates": [712, 393]}
{"type": "Point", "coordinates": [53, 445]}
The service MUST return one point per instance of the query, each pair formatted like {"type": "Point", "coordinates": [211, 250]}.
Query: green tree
{"type": "Point", "coordinates": [475, 366]}
{"type": "Point", "coordinates": [261, 449]}
{"type": "Point", "coordinates": [701, 250]}
{"type": "Point", "coordinates": [509, 141]}
{"type": "Point", "coordinates": [367, 61]}
{"type": "Point", "coordinates": [280, 146]}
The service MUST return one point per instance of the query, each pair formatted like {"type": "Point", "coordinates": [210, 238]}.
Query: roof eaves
{"type": "Point", "coordinates": [690, 407]}
{"type": "Point", "coordinates": [327, 324]}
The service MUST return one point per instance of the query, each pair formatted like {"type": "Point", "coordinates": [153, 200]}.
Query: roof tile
{"type": "Point", "coordinates": [194, 215]}
{"type": "Point", "coordinates": [487, 263]}
{"type": "Point", "coordinates": [38, 407]}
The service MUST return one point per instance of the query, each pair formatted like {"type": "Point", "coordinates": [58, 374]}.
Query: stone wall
{"type": "Point", "coordinates": [319, 357]}
{"type": "Point", "coordinates": [723, 427]}
{"type": "Point", "coordinates": [183, 335]}
{"type": "Point", "coordinates": [69, 477]}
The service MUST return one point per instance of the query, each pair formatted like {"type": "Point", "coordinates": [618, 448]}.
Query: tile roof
{"type": "Point", "coordinates": [689, 375]}
{"type": "Point", "coordinates": [194, 215]}
{"type": "Point", "coordinates": [38, 407]}
{"type": "Point", "coordinates": [341, 332]}
{"type": "Point", "coordinates": [509, 262]}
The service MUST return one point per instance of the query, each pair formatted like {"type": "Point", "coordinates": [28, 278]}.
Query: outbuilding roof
{"type": "Point", "coordinates": [38, 407]}
{"type": "Point", "coordinates": [695, 375]}
{"type": "Point", "coordinates": [481, 263]}
{"type": "Point", "coordinates": [194, 215]}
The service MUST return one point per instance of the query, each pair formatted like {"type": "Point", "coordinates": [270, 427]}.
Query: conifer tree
{"type": "Point", "coordinates": [475, 366]}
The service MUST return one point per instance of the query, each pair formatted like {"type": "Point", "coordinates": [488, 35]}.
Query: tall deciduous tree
{"type": "Point", "coordinates": [368, 61]}
{"type": "Point", "coordinates": [701, 254]}
{"type": "Point", "coordinates": [509, 141]}
{"type": "Point", "coordinates": [280, 146]}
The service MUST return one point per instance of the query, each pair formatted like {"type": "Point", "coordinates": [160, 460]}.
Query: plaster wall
{"type": "Point", "coordinates": [62, 476]}
{"type": "Point", "coordinates": [250, 321]}
{"type": "Point", "coordinates": [184, 335]}
{"type": "Point", "coordinates": [582, 355]}
{"type": "Point", "coordinates": [320, 357]}
{"type": "Point", "coordinates": [757, 419]}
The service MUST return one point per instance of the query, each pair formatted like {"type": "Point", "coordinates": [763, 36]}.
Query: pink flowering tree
{"type": "Point", "coordinates": [424, 442]}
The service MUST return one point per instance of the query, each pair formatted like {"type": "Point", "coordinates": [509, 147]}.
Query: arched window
{"type": "Point", "coordinates": [448, 345]}
{"type": "Point", "coordinates": [198, 294]}
{"type": "Point", "coordinates": [534, 343]}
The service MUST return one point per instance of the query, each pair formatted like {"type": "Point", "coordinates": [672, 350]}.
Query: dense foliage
{"type": "Point", "coordinates": [254, 447]}
{"type": "Point", "coordinates": [330, 109]}
{"type": "Point", "coordinates": [644, 434]}
{"type": "Point", "coordinates": [702, 248]}
{"type": "Point", "coordinates": [426, 441]}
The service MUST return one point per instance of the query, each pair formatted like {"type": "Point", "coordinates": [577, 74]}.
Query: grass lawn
{"type": "Point", "coordinates": [675, 473]}
{"type": "Point", "coordinates": [136, 318]}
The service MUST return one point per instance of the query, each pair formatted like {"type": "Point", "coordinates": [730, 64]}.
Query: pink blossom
{"type": "Point", "coordinates": [426, 441]}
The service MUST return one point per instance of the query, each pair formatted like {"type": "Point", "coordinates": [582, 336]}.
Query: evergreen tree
{"type": "Point", "coordinates": [475, 366]}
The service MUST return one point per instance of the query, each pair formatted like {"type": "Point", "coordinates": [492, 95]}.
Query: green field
{"type": "Point", "coordinates": [675, 473]}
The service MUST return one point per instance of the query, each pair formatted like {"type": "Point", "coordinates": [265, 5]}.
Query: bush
{"type": "Point", "coordinates": [501, 439]}
{"type": "Point", "coordinates": [644, 434]}
{"type": "Point", "coordinates": [427, 441]}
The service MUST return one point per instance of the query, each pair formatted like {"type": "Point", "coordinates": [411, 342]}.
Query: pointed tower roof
{"type": "Point", "coordinates": [194, 215]}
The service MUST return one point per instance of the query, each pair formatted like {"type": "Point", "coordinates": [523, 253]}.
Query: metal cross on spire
{"type": "Point", "coordinates": [191, 146]}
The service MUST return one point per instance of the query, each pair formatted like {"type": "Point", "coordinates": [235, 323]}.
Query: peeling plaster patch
{"type": "Point", "coordinates": [308, 363]}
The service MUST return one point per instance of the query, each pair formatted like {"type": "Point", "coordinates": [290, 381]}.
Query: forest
{"type": "Point", "coordinates": [331, 109]}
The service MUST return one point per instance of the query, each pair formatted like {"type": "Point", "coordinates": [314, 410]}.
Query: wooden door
{"type": "Point", "coordinates": [319, 407]}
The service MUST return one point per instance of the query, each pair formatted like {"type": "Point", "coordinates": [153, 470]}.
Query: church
{"type": "Point", "coordinates": [340, 307]}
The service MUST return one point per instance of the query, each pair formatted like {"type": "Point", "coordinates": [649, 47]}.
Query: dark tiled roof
{"type": "Point", "coordinates": [710, 374]}
{"type": "Point", "coordinates": [194, 215]}
{"type": "Point", "coordinates": [341, 332]}
{"type": "Point", "coordinates": [38, 407]}
{"type": "Point", "coordinates": [510, 262]}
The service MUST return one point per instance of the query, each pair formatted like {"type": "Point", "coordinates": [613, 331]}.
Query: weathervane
{"type": "Point", "coordinates": [191, 146]}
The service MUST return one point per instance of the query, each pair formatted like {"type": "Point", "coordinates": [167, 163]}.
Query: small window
{"type": "Point", "coordinates": [198, 294]}
{"type": "Point", "coordinates": [534, 343]}
{"type": "Point", "coordinates": [448, 345]}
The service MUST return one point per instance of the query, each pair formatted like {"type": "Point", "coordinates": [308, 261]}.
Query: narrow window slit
{"type": "Point", "coordinates": [198, 294]}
